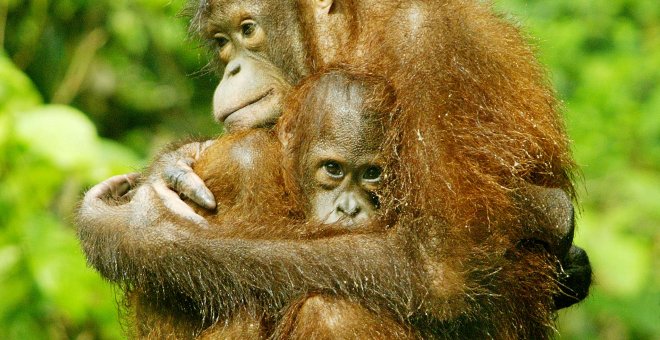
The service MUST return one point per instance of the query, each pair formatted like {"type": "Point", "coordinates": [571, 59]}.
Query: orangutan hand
{"type": "Point", "coordinates": [168, 179]}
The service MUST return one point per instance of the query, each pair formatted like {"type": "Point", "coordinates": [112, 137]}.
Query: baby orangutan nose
{"type": "Point", "coordinates": [349, 211]}
{"type": "Point", "coordinates": [348, 205]}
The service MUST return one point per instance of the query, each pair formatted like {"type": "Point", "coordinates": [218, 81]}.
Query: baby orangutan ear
{"type": "Point", "coordinates": [284, 129]}
{"type": "Point", "coordinates": [284, 136]}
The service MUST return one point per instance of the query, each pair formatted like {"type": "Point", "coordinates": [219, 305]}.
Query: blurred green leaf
{"type": "Point", "coordinates": [16, 90]}
{"type": "Point", "coordinates": [59, 133]}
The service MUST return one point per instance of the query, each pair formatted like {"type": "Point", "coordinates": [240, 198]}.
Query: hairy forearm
{"type": "Point", "coordinates": [362, 266]}
{"type": "Point", "coordinates": [221, 274]}
{"type": "Point", "coordinates": [169, 255]}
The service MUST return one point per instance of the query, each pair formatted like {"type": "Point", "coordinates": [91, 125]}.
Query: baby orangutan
{"type": "Point", "coordinates": [330, 137]}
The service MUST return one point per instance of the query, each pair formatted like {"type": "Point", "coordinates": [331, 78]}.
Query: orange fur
{"type": "Point", "coordinates": [475, 124]}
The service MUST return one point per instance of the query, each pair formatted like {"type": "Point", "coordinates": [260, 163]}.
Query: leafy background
{"type": "Point", "coordinates": [89, 89]}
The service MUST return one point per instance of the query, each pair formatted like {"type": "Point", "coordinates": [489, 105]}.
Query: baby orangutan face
{"type": "Point", "coordinates": [342, 171]}
{"type": "Point", "coordinates": [345, 177]}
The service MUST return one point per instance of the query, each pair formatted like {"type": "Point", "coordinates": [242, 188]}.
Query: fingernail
{"type": "Point", "coordinates": [203, 224]}
{"type": "Point", "coordinates": [209, 200]}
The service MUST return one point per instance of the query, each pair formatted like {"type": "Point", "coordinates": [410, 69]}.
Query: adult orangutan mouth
{"type": "Point", "coordinates": [223, 117]}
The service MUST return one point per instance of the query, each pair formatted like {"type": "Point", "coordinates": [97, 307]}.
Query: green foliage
{"type": "Point", "coordinates": [51, 152]}
{"type": "Point", "coordinates": [130, 68]}
{"type": "Point", "coordinates": [603, 56]}
{"type": "Point", "coordinates": [129, 65]}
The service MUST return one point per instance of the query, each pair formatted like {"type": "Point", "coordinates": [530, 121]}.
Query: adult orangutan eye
{"type": "Point", "coordinates": [372, 174]}
{"type": "Point", "coordinates": [248, 28]}
{"type": "Point", "coordinates": [333, 169]}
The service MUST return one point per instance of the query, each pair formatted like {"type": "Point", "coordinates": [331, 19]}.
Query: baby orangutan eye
{"type": "Point", "coordinates": [333, 169]}
{"type": "Point", "coordinates": [248, 28]}
{"type": "Point", "coordinates": [220, 41]}
{"type": "Point", "coordinates": [372, 174]}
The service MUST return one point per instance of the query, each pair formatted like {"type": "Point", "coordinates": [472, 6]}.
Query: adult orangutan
{"type": "Point", "coordinates": [477, 124]}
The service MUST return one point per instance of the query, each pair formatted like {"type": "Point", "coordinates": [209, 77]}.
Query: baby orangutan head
{"type": "Point", "coordinates": [338, 140]}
